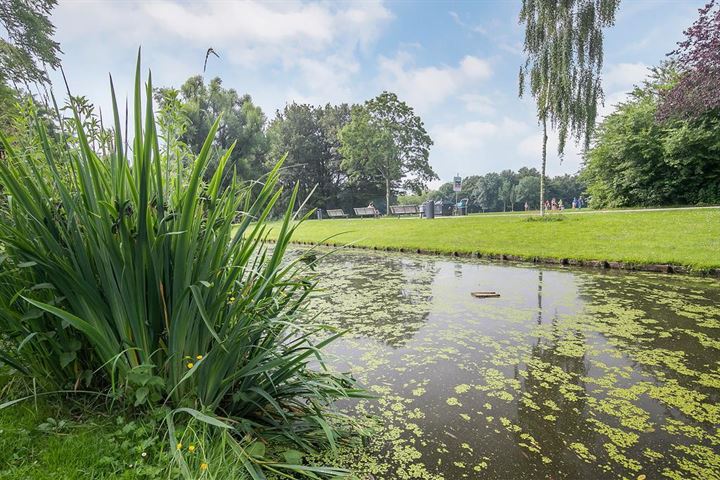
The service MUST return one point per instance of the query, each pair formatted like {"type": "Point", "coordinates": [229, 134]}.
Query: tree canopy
{"type": "Point", "coordinates": [637, 160]}
{"type": "Point", "coordinates": [697, 90]}
{"type": "Point", "coordinates": [505, 191]}
{"type": "Point", "coordinates": [564, 58]}
{"type": "Point", "coordinates": [29, 47]}
{"type": "Point", "coordinates": [309, 137]}
{"type": "Point", "coordinates": [386, 140]}
{"type": "Point", "coordinates": [242, 123]}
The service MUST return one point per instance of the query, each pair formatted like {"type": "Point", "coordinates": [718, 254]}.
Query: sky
{"type": "Point", "coordinates": [455, 63]}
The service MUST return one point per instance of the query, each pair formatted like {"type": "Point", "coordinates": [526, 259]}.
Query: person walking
{"type": "Point", "coordinates": [561, 207]}
{"type": "Point", "coordinates": [527, 207]}
{"type": "Point", "coordinates": [574, 203]}
{"type": "Point", "coordinates": [553, 202]}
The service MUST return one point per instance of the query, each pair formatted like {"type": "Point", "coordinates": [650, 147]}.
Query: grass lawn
{"type": "Point", "coordinates": [31, 447]}
{"type": "Point", "coordinates": [688, 237]}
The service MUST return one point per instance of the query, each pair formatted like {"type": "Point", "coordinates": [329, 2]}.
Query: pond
{"type": "Point", "coordinates": [568, 374]}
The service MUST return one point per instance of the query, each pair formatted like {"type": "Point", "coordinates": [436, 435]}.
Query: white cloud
{"type": "Point", "coordinates": [623, 76]}
{"type": "Point", "coordinates": [242, 22]}
{"type": "Point", "coordinates": [463, 137]}
{"type": "Point", "coordinates": [530, 148]}
{"type": "Point", "coordinates": [327, 80]}
{"type": "Point", "coordinates": [456, 18]}
{"type": "Point", "coordinates": [476, 103]}
{"type": "Point", "coordinates": [619, 80]}
{"type": "Point", "coordinates": [425, 87]}
{"type": "Point", "coordinates": [472, 136]}
{"type": "Point", "coordinates": [278, 52]}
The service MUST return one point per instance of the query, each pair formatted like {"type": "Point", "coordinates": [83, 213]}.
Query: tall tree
{"type": "Point", "coordinates": [528, 189]}
{"type": "Point", "coordinates": [29, 47]}
{"type": "Point", "coordinates": [27, 50]}
{"type": "Point", "coordinates": [637, 161]}
{"type": "Point", "coordinates": [697, 89]}
{"type": "Point", "coordinates": [241, 121]}
{"type": "Point", "coordinates": [385, 139]}
{"type": "Point", "coordinates": [564, 49]}
{"type": "Point", "coordinates": [309, 137]}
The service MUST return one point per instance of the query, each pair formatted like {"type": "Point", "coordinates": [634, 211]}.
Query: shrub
{"type": "Point", "coordinates": [120, 278]}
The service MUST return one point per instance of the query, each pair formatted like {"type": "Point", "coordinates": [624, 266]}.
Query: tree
{"type": "Point", "coordinates": [528, 189]}
{"type": "Point", "coordinates": [386, 140]}
{"type": "Point", "coordinates": [504, 193]}
{"type": "Point", "coordinates": [309, 137]}
{"type": "Point", "coordinates": [697, 89]}
{"type": "Point", "coordinates": [565, 187]}
{"type": "Point", "coordinates": [637, 161]}
{"type": "Point", "coordinates": [29, 47]}
{"type": "Point", "coordinates": [564, 48]}
{"type": "Point", "coordinates": [481, 194]}
{"type": "Point", "coordinates": [242, 123]}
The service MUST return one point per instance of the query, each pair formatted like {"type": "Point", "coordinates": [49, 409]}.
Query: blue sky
{"type": "Point", "coordinates": [456, 63]}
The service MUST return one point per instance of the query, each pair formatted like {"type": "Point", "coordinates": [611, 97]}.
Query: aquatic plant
{"type": "Point", "coordinates": [156, 289]}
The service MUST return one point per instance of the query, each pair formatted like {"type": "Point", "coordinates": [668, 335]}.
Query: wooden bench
{"type": "Point", "coordinates": [404, 210]}
{"type": "Point", "coordinates": [336, 213]}
{"type": "Point", "coordinates": [366, 212]}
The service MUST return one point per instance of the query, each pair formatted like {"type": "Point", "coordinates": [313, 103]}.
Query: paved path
{"type": "Point", "coordinates": [581, 212]}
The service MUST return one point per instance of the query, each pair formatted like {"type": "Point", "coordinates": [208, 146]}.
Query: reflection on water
{"type": "Point", "coordinates": [569, 374]}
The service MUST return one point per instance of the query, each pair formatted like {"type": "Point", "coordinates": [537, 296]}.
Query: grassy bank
{"type": "Point", "coordinates": [689, 238]}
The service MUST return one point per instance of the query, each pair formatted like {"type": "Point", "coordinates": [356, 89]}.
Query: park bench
{"type": "Point", "coordinates": [336, 213]}
{"type": "Point", "coordinates": [404, 210]}
{"type": "Point", "coordinates": [366, 211]}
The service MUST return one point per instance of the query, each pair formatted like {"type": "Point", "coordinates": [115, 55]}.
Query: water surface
{"type": "Point", "coordinates": [569, 374]}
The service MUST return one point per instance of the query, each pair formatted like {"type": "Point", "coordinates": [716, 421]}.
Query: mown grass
{"type": "Point", "coordinates": [69, 449]}
{"type": "Point", "coordinates": [689, 238]}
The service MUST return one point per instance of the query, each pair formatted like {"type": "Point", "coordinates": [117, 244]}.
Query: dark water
{"type": "Point", "coordinates": [569, 374]}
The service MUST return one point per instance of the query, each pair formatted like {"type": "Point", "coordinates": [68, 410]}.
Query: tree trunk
{"type": "Point", "coordinates": [387, 196]}
{"type": "Point", "coordinates": [542, 172]}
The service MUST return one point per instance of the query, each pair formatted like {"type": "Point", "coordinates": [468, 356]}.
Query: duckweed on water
{"type": "Point", "coordinates": [570, 373]}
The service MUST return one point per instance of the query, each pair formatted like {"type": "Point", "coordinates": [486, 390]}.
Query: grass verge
{"type": "Point", "coordinates": [688, 238]}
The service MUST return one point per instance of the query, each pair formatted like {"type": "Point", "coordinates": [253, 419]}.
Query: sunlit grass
{"type": "Point", "coordinates": [680, 237]}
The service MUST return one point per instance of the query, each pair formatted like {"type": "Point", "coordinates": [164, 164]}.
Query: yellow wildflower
{"type": "Point", "coordinates": [191, 448]}
{"type": "Point", "coordinates": [199, 357]}
{"type": "Point", "coordinates": [203, 466]}
{"type": "Point", "coordinates": [190, 365]}
{"type": "Point", "coordinates": [179, 446]}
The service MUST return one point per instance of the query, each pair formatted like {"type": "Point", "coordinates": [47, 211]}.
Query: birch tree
{"type": "Point", "coordinates": [562, 69]}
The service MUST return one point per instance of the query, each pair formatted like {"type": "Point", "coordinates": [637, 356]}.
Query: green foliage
{"type": "Point", "coordinates": [564, 47]}
{"type": "Point", "coordinates": [528, 190]}
{"type": "Point", "coordinates": [241, 123]}
{"type": "Point", "coordinates": [549, 218]}
{"type": "Point", "coordinates": [509, 190]}
{"type": "Point", "coordinates": [638, 161]}
{"type": "Point", "coordinates": [387, 141]}
{"type": "Point", "coordinates": [308, 135]}
{"type": "Point", "coordinates": [412, 199]}
{"type": "Point", "coordinates": [29, 47]}
{"type": "Point", "coordinates": [118, 277]}
{"type": "Point", "coordinates": [679, 237]}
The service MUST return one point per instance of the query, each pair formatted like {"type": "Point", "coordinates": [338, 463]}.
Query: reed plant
{"type": "Point", "coordinates": [159, 289]}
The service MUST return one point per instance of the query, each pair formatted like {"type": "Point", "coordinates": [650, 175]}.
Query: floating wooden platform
{"type": "Point", "coordinates": [485, 294]}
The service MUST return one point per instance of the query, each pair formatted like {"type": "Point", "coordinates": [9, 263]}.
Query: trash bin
{"type": "Point", "coordinates": [319, 214]}
{"type": "Point", "coordinates": [443, 208]}
{"type": "Point", "coordinates": [429, 210]}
